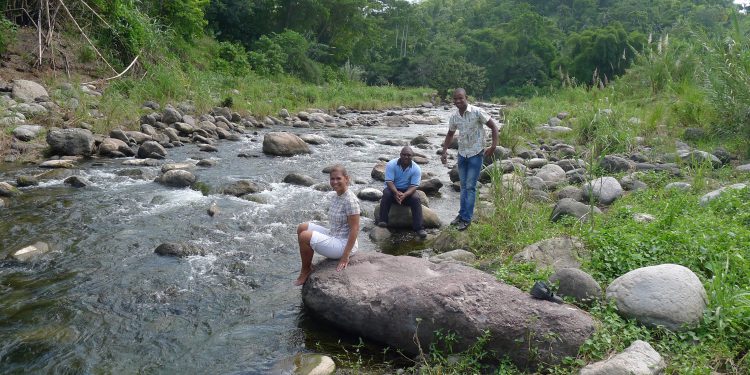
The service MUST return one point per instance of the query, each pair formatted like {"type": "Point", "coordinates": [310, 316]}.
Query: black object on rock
{"type": "Point", "coordinates": [541, 290]}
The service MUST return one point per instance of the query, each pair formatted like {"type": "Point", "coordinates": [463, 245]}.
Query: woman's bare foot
{"type": "Point", "coordinates": [303, 275]}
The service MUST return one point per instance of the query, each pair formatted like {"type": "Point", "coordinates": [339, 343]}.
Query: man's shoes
{"type": "Point", "coordinates": [422, 233]}
{"type": "Point", "coordinates": [462, 225]}
{"type": "Point", "coordinates": [456, 220]}
{"type": "Point", "coordinates": [382, 224]}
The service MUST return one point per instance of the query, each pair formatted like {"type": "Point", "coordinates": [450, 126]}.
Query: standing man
{"type": "Point", "coordinates": [469, 120]}
{"type": "Point", "coordinates": [402, 177]}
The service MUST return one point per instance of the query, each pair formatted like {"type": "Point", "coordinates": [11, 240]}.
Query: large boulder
{"type": "Point", "coordinates": [370, 194]}
{"type": "Point", "coordinates": [570, 207]}
{"type": "Point", "coordinates": [431, 187]}
{"type": "Point", "coordinates": [638, 359]}
{"type": "Point", "coordinates": [299, 179]}
{"type": "Point", "coordinates": [400, 217]}
{"type": "Point", "coordinates": [615, 164]}
{"type": "Point", "coordinates": [552, 175]}
{"type": "Point", "coordinates": [177, 178]}
{"type": "Point", "coordinates": [115, 148]}
{"type": "Point", "coordinates": [557, 253]}
{"type": "Point", "coordinates": [378, 172]}
{"type": "Point", "coordinates": [284, 144]}
{"type": "Point", "coordinates": [70, 141]}
{"type": "Point", "coordinates": [27, 91]}
{"type": "Point", "coordinates": [151, 150]}
{"type": "Point", "coordinates": [27, 132]}
{"type": "Point", "coordinates": [604, 190]}
{"type": "Point", "coordinates": [397, 299]}
{"type": "Point", "coordinates": [572, 282]}
{"type": "Point", "coordinates": [666, 295]}
{"type": "Point", "coordinates": [242, 187]}
{"type": "Point", "coordinates": [178, 249]}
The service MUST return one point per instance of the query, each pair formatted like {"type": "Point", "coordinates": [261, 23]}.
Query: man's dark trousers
{"type": "Point", "coordinates": [411, 201]}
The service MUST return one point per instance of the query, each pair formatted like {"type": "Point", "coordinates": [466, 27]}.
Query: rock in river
{"type": "Point", "coordinates": [390, 299]}
{"type": "Point", "coordinates": [70, 141]}
{"type": "Point", "coordinates": [177, 178]}
{"type": "Point", "coordinates": [284, 144]}
{"type": "Point", "coordinates": [178, 249]}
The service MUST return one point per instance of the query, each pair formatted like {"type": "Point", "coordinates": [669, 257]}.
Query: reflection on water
{"type": "Point", "coordinates": [102, 302]}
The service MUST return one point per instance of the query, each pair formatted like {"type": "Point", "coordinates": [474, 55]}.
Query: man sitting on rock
{"type": "Point", "coordinates": [402, 177]}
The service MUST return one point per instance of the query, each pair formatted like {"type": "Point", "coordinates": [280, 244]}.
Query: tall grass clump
{"type": "Point", "coordinates": [726, 70]}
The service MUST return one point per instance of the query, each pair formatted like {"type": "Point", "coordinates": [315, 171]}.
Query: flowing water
{"type": "Point", "coordinates": [102, 302]}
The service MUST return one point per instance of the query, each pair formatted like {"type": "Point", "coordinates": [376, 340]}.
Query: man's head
{"type": "Point", "coordinates": [459, 99]}
{"type": "Point", "coordinates": [406, 155]}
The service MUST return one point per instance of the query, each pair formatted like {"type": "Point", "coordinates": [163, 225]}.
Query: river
{"type": "Point", "coordinates": [102, 302]}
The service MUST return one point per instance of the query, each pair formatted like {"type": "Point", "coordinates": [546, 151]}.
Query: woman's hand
{"type": "Point", "coordinates": [343, 262]}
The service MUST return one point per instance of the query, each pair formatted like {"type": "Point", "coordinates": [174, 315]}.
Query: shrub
{"type": "Point", "coordinates": [7, 34]}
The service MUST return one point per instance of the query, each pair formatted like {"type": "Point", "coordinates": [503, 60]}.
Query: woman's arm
{"type": "Point", "coordinates": [353, 222]}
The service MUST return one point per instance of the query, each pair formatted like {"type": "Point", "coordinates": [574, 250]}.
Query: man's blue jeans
{"type": "Point", "coordinates": [468, 173]}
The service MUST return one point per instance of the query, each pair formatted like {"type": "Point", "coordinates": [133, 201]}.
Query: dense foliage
{"type": "Point", "coordinates": [506, 47]}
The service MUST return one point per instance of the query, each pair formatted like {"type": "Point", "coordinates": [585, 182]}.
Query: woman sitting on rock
{"type": "Point", "coordinates": [339, 242]}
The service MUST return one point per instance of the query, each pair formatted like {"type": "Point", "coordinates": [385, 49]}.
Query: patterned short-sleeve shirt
{"type": "Point", "coordinates": [470, 129]}
{"type": "Point", "coordinates": [342, 206]}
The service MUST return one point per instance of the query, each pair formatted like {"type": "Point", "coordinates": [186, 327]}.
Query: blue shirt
{"type": "Point", "coordinates": [402, 178]}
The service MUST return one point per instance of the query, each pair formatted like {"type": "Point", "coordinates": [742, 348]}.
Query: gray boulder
{"type": "Point", "coordinates": [638, 359]}
{"type": "Point", "coordinates": [378, 172]}
{"type": "Point", "coordinates": [370, 194]}
{"type": "Point", "coordinates": [718, 192]}
{"type": "Point", "coordinates": [431, 187]}
{"type": "Point", "coordinates": [70, 141]}
{"type": "Point", "coordinates": [113, 147]}
{"type": "Point", "coordinates": [570, 207]}
{"type": "Point", "coordinates": [178, 249]}
{"type": "Point", "coordinates": [27, 132]}
{"type": "Point", "coordinates": [666, 295]}
{"type": "Point", "coordinates": [604, 190]}
{"type": "Point", "coordinates": [177, 178]}
{"type": "Point", "coordinates": [242, 187]}
{"type": "Point", "coordinates": [299, 179]}
{"type": "Point", "coordinates": [284, 144]}
{"type": "Point", "coordinates": [571, 192]}
{"type": "Point", "coordinates": [77, 182]}
{"type": "Point", "coordinates": [400, 217]}
{"type": "Point", "coordinates": [393, 299]}
{"type": "Point", "coordinates": [379, 234]}
{"type": "Point", "coordinates": [8, 190]}
{"type": "Point", "coordinates": [24, 180]}
{"type": "Point", "coordinates": [27, 91]}
{"type": "Point", "coordinates": [743, 168]}
{"type": "Point", "coordinates": [552, 175]}
{"type": "Point", "coordinates": [615, 164]}
{"type": "Point", "coordinates": [572, 282]}
{"type": "Point", "coordinates": [698, 158]}
{"type": "Point", "coordinates": [557, 253]}
{"type": "Point", "coordinates": [151, 150]}
{"type": "Point", "coordinates": [170, 116]}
